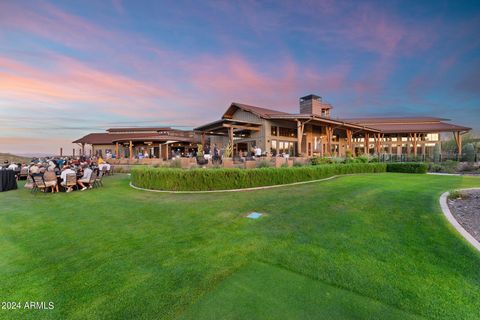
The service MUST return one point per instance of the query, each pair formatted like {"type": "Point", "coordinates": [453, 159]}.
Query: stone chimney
{"type": "Point", "coordinates": [312, 104]}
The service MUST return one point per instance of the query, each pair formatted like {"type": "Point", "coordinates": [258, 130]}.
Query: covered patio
{"type": "Point", "coordinates": [320, 136]}
{"type": "Point", "coordinates": [235, 132]}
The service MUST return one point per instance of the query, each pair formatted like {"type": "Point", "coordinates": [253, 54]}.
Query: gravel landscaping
{"type": "Point", "coordinates": [466, 209]}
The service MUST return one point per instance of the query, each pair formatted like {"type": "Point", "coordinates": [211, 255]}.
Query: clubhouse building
{"type": "Point", "coordinates": [310, 132]}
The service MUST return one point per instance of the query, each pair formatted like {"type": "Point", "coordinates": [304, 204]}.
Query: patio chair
{"type": "Point", "coordinates": [93, 178]}
{"type": "Point", "coordinates": [39, 183]}
{"type": "Point", "coordinates": [98, 180]}
{"type": "Point", "coordinates": [30, 184]}
{"type": "Point", "coordinates": [71, 181]}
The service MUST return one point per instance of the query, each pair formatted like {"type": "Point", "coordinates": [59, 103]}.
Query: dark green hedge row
{"type": "Point", "coordinates": [407, 167]}
{"type": "Point", "coordinates": [223, 179]}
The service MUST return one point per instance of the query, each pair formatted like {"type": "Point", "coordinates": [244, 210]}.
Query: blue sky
{"type": "Point", "coordinates": [68, 68]}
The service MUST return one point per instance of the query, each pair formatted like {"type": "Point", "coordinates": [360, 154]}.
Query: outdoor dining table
{"type": "Point", "coordinates": [8, 180]}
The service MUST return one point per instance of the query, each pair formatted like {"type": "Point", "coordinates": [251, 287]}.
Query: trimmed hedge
{"type": "Point", "coordinates": [407, 167]}
{"type": "Point", "coordinates": [222, 179]}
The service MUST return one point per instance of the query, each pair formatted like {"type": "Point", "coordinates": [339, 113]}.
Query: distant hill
{"type": "Point", "coordinates": [13, 158]}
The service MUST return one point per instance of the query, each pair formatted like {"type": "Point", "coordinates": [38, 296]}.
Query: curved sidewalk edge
{"type": "Point", "coordinates": [235, 190]}
{"type": "Point", "coordinates": [448, 214]}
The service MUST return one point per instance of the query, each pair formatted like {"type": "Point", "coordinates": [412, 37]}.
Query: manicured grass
{"type": "Point", "coordinates": [365, 246]}
{"type": "Point", "coordinates": [262, 291]}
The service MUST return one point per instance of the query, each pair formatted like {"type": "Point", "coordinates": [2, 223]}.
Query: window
{"type": "Point", "coordinates": [274, 147]}
{"type": "Point", "coordinates": [287, 132]}
{"type": "Point", "coordinates": [274, 131]}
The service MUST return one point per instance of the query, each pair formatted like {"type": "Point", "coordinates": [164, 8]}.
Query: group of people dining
{"type": "Point", "coordinates": [61, 174]}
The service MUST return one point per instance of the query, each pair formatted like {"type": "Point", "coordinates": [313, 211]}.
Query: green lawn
{"type": "Point", "coordinates": [370, 246]}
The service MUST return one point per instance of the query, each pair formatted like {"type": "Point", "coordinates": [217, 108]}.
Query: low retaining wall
{"type": "Point", "coordinates": [448, 214]}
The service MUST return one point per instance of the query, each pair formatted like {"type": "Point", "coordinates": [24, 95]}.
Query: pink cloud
{"type": "Point", "coordinates": [74, 81]}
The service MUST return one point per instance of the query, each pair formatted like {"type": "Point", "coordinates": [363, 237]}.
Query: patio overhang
{"type": "Point", "coordinates": [224, 126]}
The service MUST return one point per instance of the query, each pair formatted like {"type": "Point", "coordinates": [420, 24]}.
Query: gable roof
{"type": "Point", "coordinates": [258, 111]}
{"type": "Point", "coordinates": [138, 129]}
{"type": "Point", "coordinates": [386, 120]}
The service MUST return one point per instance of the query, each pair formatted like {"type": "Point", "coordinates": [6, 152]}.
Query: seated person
{"type": "Point", "coordinates": [33, 168]}
{"type": "Point", "coordinates": [13, 166]}
{"type": "Point", "coordinates": [50, 179]}
{"type": "Point", "coordinates": [63, 175]}
{"type": "Point", "coordinates": [85, 179]}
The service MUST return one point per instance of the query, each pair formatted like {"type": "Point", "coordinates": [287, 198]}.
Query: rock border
{"type": "Point", "coordinates": [236, 190]}
{"type": "Point", "coordinates": [448, 214]}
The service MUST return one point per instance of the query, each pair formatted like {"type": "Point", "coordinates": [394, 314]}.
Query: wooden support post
{"type": "Point", "coordinates": [130, 149]}
{"type": "Point", "coordinates": [300, 127]}
{"type": "Point", "coordinates": [349, 140]}
{"type": "Point", "coordinates": [230, 134]}
{"type": "Point", "coordinates": [159, 150]}
{"type": "Point", "coordinates": [366, 144]}
{"type": "Point", "coordinates": [415, 145]}
{"type": "Point", "coordinates": [377, 143]}
{"type": "Point", "coordinates": [74, 152]}
{"type": "Point", "coordinates": [61, 152]}
{"type": "Point", "coordinates": [329, 140]}
{"type": "Point", "coordinates": [409, 149]}
{"type": "Point", "coordinates": [203, 139]}
{"type": "Point", "coordinates": [83, 149]}
{"type": "Point", "coordinates": [458, 141]}
{"type": "Point", "coordinates": [117, 156]}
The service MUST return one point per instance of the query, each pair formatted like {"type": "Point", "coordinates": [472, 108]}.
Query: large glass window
{"type": "Point", "coordinates": [274, 147]}
{"type": "Point", "coordinates": [287, 132]}
{"type": "Point", "coordinates": [432, 137]}
{"type": "Point", "coordinates": [274, 130]}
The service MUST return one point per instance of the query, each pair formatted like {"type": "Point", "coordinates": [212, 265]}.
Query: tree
{"type": "Point", "coordinates": [469, 152]}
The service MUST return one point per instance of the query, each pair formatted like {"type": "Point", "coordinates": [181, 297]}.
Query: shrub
{"type": "Point", "coordinates": [469, 152]}
{"type": "Point", "coordinates": [362, 159]}
{"type": "Point", "coordinates": [222, 179]}
{"type": "Point", "coordinates": [199, 150]}
{"type": "Point", "coordinates": [175, 163]}
{"type": "Point", "coordinates": [320, 160]}
{"type": "Point", "coordinates": [263, 164]}
{"type": "Point", "coordinates": [455, 194]}
{"type": "Point", "coordinates": [407, 167]}
{"type": "Point", "coordinates": [338, 160]}
{"type": "Point", "coordinates": [433, 167]}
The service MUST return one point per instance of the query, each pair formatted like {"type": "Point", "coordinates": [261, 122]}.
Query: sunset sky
{"type": "Point", "coordinates": [68, 68]}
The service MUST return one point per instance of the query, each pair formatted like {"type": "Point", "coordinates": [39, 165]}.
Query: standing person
{"type": "Point", "coordinates": [258, 152]}
{"type": "Point", "coordinates": [12, 166]}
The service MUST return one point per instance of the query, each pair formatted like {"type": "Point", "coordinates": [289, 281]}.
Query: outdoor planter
{"type": "Point", "coordinates": [278, 161]}
{"type": "Point", "coordinates": [227, 162]}
{"type": "Point", "coordinates": [250, 164]}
